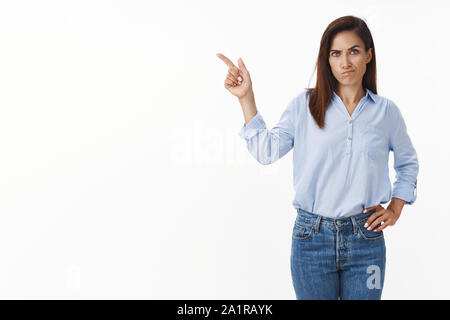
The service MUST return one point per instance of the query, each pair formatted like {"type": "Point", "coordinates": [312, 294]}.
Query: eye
{"type": "Point", "coordinates": [332, 54]}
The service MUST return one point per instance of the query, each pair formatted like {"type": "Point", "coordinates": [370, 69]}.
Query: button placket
{"type": "Point", "coordinates": [349, 136]}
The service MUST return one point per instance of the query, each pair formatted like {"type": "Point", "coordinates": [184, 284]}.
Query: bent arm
{"type": "Point", "coordinates": [406, 163]}
{"type": "Point", "coordinates": [267, 146]}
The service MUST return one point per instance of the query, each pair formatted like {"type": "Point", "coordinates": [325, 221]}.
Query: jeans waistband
{"type": "Point", "coordinates": [357, 217]}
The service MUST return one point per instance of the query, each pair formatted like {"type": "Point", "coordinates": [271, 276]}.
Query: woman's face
{"type": "Point", "coordinates": [348, 53]}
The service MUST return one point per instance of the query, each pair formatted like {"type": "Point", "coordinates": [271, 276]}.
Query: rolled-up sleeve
{"type": "Point", "coordinates": [267, 146]}
{"type": "Point", "coordinates": [406, 164]}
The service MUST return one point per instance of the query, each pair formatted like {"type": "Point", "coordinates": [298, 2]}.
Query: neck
{"type": "Point", "coordinates": [351, 95]}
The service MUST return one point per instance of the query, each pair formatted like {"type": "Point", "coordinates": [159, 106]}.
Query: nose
{"type": "Point", "coordinates": [345, 62]}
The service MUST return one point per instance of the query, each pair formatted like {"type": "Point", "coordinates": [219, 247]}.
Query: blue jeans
{"type": "Point", "coordinates": [336, 258]}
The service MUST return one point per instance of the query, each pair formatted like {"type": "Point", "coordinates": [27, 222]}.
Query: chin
{"type": "Point", "coordinates": [350, 81]}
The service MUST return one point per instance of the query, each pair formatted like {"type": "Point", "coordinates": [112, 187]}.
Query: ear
{"type": "Point", "coordinates": [369, 55]}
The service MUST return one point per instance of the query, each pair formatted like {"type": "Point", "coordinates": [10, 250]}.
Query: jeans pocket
{"type": "Point", "coordinates": [369, 234]}
{"type": "Point", "coordinates": [303, 230]}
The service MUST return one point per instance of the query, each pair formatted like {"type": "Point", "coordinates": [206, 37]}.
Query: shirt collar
{"type": "Point", "coordinates": [369, 93]}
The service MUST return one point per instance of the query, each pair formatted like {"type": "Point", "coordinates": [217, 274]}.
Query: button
{"type": "Point", "coordinates": [350, 121]}
{"type": "Point", "coordinates": [349, 138]}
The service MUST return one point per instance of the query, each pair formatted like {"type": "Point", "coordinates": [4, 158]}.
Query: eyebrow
{"type": "Point", "coordinates": [348, 48]}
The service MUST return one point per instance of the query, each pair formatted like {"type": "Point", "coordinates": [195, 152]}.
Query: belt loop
{"type": "Point", "coordinates": [355, 230]}
{"type": "Point", "coordinates": [317, 224]}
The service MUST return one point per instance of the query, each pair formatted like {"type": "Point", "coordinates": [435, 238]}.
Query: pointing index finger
{"type": "Point", "coordinates": [226, 60]}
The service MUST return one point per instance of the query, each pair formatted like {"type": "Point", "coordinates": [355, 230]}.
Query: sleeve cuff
{"type": "Point", "coordinates": [251, 129]}
{"type": "Point", "coordinates": [409, 194]}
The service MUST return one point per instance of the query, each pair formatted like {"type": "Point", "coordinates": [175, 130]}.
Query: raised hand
{"type": "Point", "coordinates": [238, 80]}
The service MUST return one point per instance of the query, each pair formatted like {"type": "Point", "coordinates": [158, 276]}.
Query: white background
{"type": "Point", "coordinates": [122, 174]}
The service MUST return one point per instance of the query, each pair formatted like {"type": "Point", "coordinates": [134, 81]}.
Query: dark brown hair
{"type": "Point", "coordinates": [321, 95]}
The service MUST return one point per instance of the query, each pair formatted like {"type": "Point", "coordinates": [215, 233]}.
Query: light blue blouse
{"type": "Point", "coordinates": [343, 168]}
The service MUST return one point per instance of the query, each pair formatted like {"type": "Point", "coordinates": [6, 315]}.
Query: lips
{"type": "Point", "coordinates": [349, 72]}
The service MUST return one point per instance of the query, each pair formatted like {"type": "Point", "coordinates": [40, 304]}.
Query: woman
{"type": "Point", "coordinates": [342, 132]}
